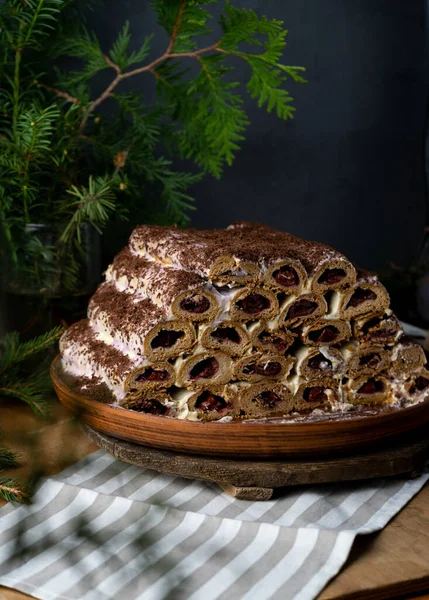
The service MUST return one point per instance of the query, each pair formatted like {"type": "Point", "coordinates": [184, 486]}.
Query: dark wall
{"type": "Point", "coordinates": [349, 169]}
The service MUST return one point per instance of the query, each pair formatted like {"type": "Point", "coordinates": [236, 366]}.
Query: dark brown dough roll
{"type": "Point", "coordinates": [84, 354]}
{"type": "Point", "coordinates": [321, 393]}
{"type": "Point", "coordinates": [213, 403]}
{"type": "Point", "coordinates": [176, 292]}
{"type": "Point", "coordinates": [406, 356]}
{"type": "Point", "coordinates": [137, 327]}
{"type": "Point", "coordinates": [270, 340]}
{"type": "Point", "coordinates": [156, 375]}
{"type": "Point", "coordinates": [267, 399]}
{"type": "Point", "coordinates": [369, 390]}
{"type": "Point", "coordinates": [254, 303]}
{"type": "Point", "coordinates": [152, 402]}
{"type": "Point", "coordinates": [365, 360]}
{"type": "Point", "coordinates": [229, 336]}
{"type": "Point", "coordinates": [259, 367]}
{"type": "Point", "coordinates": [319, 363]}
{"type": "Point", "coordinates": [210, 254]}
{"type": "Point", "coordinates": [297, 309]}
{"type": "Point", "coordinates": [287, 275]}
{"type": "Point", "coordinates": [384, 329]}
{"type": "Point", "coordinates": [326, 268]}
{"type": "Point", "coordinates": [325, 332]}
{"type": "Point", "coordinates": [204, 369]}
{"type": "Point", "coordinates": [367, 297]}
{"type": "Point", "coordinates": [416, 386]}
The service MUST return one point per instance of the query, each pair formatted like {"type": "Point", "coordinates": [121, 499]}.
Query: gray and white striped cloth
{"type": "Point", "coordinates": [103, 529]}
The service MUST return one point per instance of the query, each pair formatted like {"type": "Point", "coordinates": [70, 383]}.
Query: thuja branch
{"type": "Point", "coordinates": [147, 68]}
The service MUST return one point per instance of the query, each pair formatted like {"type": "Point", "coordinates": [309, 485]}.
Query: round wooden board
{"type": "Point", "coordinates": [257, 480]}
{"type": "Point", "coordinates": [241, 439]}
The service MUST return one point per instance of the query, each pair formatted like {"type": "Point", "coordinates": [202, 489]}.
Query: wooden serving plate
{"type": "Point", "coordinates": [272, 439]}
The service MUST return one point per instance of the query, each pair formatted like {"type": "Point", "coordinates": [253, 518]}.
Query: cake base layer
{"type": "Point", "coordinates": [257, 480]}
{"type": "Point", "coordinates": [295, 436]}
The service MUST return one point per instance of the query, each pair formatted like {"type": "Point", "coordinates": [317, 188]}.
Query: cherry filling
{"type": "Point", "coordinates": [372, 386]}
{"type": "Point", "coordinates": [204, 369]}
{"type": "Point", "coordinates": [279, 343]}
{"type": "Point", "coordinates": [331, 276]}
{"type": "Point", "coordinates": [166, 338]}
{"type": "Point", "coordinates": [315, 394]}
{"type": "Point", "coordinates": [270, 369]}
{"type": "Point", "coordinates": [420, 384]}
{"type": "Point", "coordinates": [208, 402]}
{"type": "Point", "coordinates": [378, 328]}
{"type": "Point", "coordinates": [286, 276]}
{"type": "Point", "coordinates": [229, 334]}
{"type": "Point", "coordinates": [370, 360]}
{"type": "Point", "coordinates": [359, 296]}
{"type": "Point", "coordinates": [320, 363]}
{"type": "Point", "coordinates": [154, 407]}
{"type": "Point", "coordinates": [195, 304]}
{"type": "Point", "coordinates": [327, 334]}
{"type": "Point", "coordinates": [253, 303]}
{"type": "Point", "coordinates": [151, 374]}
{"type": "Point", "coordinates": [301, 308]}
{"type": "Point", "coordinates": [267, 399]}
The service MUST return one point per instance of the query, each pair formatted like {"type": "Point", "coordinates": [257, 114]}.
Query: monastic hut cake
{"type": "Point", "coordinates": [241, 323]}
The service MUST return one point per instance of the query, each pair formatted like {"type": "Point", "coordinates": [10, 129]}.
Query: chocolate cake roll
{"type": "Point", "coordinates": [265, 399]}
{"type": "Point", "coordinates": [322, 393]}
{"type": "Point", "coordinates": [384, 329]}
{"type": "Point", "coordinates": [364, 360]}
{"type": "Point", "coordinates": [209, 254]}
{"type": "Point", "coordinates": [369, 390]}
{"type": "Point", "coordinates": [254, 303]}
{"type": "Point", "coordinates": [178, 293]}
{"type": "Point", "coordinates": [327, 269]}
{"type": "Point", "coordinates": [151, 402]}
{"type": "Point", "coordinates": [367, 297]}
{"type": "Point", "coordinates": [136, 326]}
{"type": "Point", "coordinates": [266, 338]}
{"type": "Point", "coordinates": [229, 336]}
{"type": "Point", "coordinates": [319, 363]}
{"type": "Point", "coordinates": [213, 403]}
{"type": "Point", "coordinates": [416, 385]}
{"type": "Point", "coordinates": [151, 376]}
{"type": "Point", "coordinates": [287, 275]}
{"type": "Point", "coordinates": [406, 356]}
{"type": "Point", "coordinates": [259, 367]}
{"type": "Point", "coordinates": [84, 354]}
{"type": "Point", "coordinates": [297, 309]}
{"type": "Point", "coordinates": [325, 332]}
{"type": "Point", "coordinates": [203, 369]}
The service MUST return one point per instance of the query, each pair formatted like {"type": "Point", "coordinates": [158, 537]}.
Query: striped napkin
{"type": "Point", "coordinates": [103, 529]}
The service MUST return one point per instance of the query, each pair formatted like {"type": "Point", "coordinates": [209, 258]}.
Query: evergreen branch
{"type": "Point", "coordinates": [34, 399]}
{"type": "Point", "coordinates": [15, 352]}
{"type": "Point", "coordinates": [11, 490]}
{"type": "Point", "coordinates": [8, 458]}
{"type": "Point", "coordinates": [176, 27]}
{"type": "Point", "coordinates": [93, 204]}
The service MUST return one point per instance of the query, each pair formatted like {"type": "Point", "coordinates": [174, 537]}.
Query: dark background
{"type": "Point", "coordinates": [349, 169]}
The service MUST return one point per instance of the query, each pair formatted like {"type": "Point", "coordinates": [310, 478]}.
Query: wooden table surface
{"type": "Point", "coordinates": [391, 564]}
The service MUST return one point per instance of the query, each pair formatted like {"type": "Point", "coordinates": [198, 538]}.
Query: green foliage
{"type": "Point", "coordinates": [10, 489]}
{"type": "Point", "coordinates": [64, 163]}
{"type": "Point", "coordinates": [14, 379]}
{"type": "Point", "coordinates": [15, 382]}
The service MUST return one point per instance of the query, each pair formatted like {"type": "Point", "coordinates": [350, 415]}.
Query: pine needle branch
{"type": "Point", "coordinates": [12, 491]}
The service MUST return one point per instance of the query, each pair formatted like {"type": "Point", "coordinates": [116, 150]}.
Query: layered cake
{"type": "Point", "coordinates": [241, 323]}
